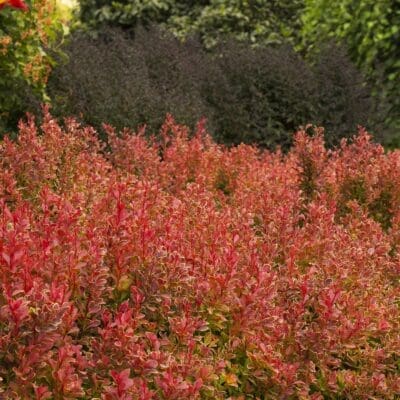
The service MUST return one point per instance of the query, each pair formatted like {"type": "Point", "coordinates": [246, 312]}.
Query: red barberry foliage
{"type": "Point", "coordinates": [175, 268]}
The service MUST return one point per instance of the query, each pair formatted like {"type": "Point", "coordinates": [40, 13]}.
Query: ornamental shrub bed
{"type": "Point", "coordinates": [175, 268]}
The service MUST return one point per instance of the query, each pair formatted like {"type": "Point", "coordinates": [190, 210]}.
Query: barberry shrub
{"type": "Point", "coordinates": [252, 95]}
{"type": "Point", "coordinates": [175, 268]}
{"type": "Point", "coordinates": [129, 80]}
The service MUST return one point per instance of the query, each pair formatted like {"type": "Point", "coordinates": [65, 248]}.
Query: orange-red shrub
{"type": "Point", "coordinates": [178, 269]}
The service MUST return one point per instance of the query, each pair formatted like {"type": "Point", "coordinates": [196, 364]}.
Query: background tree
{"type": "Point", "coordinates": [257, 21]}
{"type": "Point", "coordinates": [123, 13]}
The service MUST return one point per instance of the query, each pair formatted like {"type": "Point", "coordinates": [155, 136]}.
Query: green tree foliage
{"type": "Point", "coordinates": [257, 21]}
{"type": "Point", "coordinates": [254, 21]}
{"type": "Point", "coordinates": [25, 63]}
{"type": "Point", "coordinates": [371, 31]}
{"type": "Point", "coordinates": [124, 13]}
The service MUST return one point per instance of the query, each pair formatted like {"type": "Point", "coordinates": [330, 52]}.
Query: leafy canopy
{"type": "Point", "coordinates": [260, 21]}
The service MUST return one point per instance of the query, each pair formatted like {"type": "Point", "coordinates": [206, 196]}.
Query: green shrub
{"type": "Point", "coordinates": [25, 39]}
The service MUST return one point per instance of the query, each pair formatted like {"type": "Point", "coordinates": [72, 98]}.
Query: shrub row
{"type": "Point", "coordinates": [180, 269]}
{"type": "Point", "coordinates": [251, 95]}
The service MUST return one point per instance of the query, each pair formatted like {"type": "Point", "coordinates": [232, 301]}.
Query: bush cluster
{"type": "Point", "coordinates": [180, 269]}
{"type": "Point", "coordinates": [126, 82]}
{"type": "Point", "coordinates": [251, 95]}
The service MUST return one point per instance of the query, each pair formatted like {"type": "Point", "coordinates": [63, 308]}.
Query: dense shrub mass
{"type": "Point", "coordinates": [252, 95]}
{"type": "Point", "coordinates": [262, 95]}
{"type": "Point", "coordinates": [179, 269]}
{"type": "Point", "coordinates": [128, 82]}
